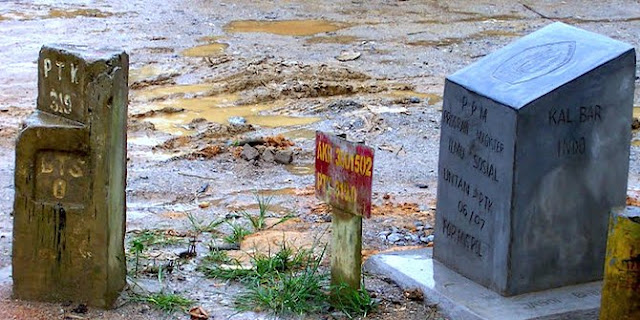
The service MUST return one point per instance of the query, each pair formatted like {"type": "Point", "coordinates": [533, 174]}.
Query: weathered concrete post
{"type": "Point", "coordinates": [68, 234]}
{"type": "Point", "coordinates": [621, 292]}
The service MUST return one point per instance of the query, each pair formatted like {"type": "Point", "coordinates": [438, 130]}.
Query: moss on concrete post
{"type": "Point", "coordinates": [346, 247]}
{"type": "Point", "coordinates": [70, 174]}
{"type": "Point", "coordinates": [621, 292]}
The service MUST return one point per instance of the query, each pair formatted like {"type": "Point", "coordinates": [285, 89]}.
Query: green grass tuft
{"type": "Point", "coordinates": [202, 226]}
{"type": "Point", "coordinates": [217, 257]}
{"type": "Point", "coordinates": [285, 293]}
{"type": "Point", "coordinates": [150, 238]}
{"type": "Point", "coordinates": [165, 302]}
{"type": "Point", "coordinates": [238, 233]}
{"type": "Point", "coordinates": [352, 302]}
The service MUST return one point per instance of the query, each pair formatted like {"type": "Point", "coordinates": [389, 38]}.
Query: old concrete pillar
{"type": "Point", "coordinates": [70, 174]}
{"type": "Point", "coordinates": [621, 292]}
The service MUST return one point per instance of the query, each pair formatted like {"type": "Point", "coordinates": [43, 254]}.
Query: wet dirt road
{"type": "Point", "coordinates": [208, 76]}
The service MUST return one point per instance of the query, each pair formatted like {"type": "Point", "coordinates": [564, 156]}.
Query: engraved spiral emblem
{"type": "Point", "coordinates": [535, 62]}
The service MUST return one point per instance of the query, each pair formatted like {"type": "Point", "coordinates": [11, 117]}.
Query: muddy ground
{"type": "Point", "coordinates": [208, 76]}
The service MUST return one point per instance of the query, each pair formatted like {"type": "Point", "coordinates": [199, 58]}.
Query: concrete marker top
{"type": "Point", "coordinates": [86, 53]}
{"type": "Point", "coordinates": [545, 60]}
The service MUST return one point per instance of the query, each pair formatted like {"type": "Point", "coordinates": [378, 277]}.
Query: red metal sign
{"type": "Point", "coordinates": [344, 171]}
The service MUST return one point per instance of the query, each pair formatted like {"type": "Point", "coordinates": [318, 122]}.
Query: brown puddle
{"type": "Point", "coordinates": [152, 93]}
{"type": "Point", "coordinates": [210, 39]}
{"type": "Point", "coordinates": [68, 14]}
{"type": "Point", "coordinates": [302, 169]}
{"type": "Point", "coordinates": [279, 192]}
{"type": "Point", "coordinates": [336, 39]}
{"type": "Point", "coordinates": [476, 36]}
{"type": "Point", "coordinates": [218, 109]}
{"type": "Point", "coordinates": [636, 111]}
{"type": "Point", "coordinates": [433, 98]}
{"type": "Point", "coordinates": [207, 50]}
{"type": "Point", "coordinates": [285, 27]}
{"type": "Point", "coordinates": [275, 121]}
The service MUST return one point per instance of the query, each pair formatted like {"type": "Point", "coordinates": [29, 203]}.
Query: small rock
{"type": "Point", "coordinates": [249, 153]}
{"type": "Point", "coordinates": [414, 100]}
{"type": "Point", "coordinates": [235, 120]}
{"type": "Point", "coordinates": [430, 238]}
{"type": "Point", "coordinates": [418, 223]}
{"type": "Point", "coordinates": [144, 309]}
{"type": "Point", "coordinates": [424, 239]}
{"type": "Point", "coordinates": [268, 155]}
{"type": "Point", "coordinates": [421, 185]}
{"type": "Point", "coordinates": [419, 228]}
{"type": "Point", "coordinates": [198, 313]}
{"type": "Point", "coordinates": [394, 237]}
{"type": "Point", "coordinates": [81, 309]}
{"type": "Point", "coordinates": [284, 156]}
{"type": "Point", "coordinates": [204, 205]}
{"type": "Point", "coordinates": [348, 55]}
{"type": "Point", "coordinates": [414, 294]}
{"type": "Point", "coordinates": [428, 226]}
{"type": "Point", "coordinates": [345, 105]}
{"type": "Point", "coordinates": [410, 237]}
{"type": "Point", "coordinates": [384, 233]}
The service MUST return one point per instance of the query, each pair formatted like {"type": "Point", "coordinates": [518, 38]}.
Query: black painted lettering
{"type": "Point", "coordinates": [542, 303]}
{"type": "Point", "coordinates": [483, 200]}
{"type": "Point", "coordinates": [590, 114]}
{"type": "Point", "coordinates": [489, 142]}
{"type": "Point", "coordinates": [456, 148]}
{"type": "Point", "coordinates": [456, 181]}
{"type": "Point", "coordinates": [485, 167]}
{"type": "Point", "coordinates": [571, 147]}
{"type": "Point", "coordinates": [462, 238]}
{"type": "Point", "coordinates": [477, 108]}
{"type": "Point", "coordinates": [455, 122]}
{"type": "Point", "coordinates": [559, 117]}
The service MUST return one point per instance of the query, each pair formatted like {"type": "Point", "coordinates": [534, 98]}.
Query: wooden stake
{"type": "Point", "coordinates": [346, 247]}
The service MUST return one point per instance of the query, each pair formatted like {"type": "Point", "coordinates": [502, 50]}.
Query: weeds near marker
{"type": "Point", "coordinates": [286, 293]}
{"type": "Point", "coordinates": [286, 282]}
{"type": "Point", "coordinates": [137, 247]}
{"type": "Point", "coordinates": [216, 257]}
{"type": "Point", "coordinates": [144, 240]}
{"type": "Point", "coordinates": [238, 232]}
{"type": "Point", "coordinates": [201, 226]}
{"type": "Point", "coordinates": [149, 238]}
{"type": "Point", "coordinates": [165, 302]}
{"type": "Point", "coordinates": [259, 222]}
{"type": "Point", "coordinates": [352, 302]}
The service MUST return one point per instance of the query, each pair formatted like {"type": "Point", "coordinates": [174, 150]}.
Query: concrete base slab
{"type": "Point", "coordinates": [462, 299]}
